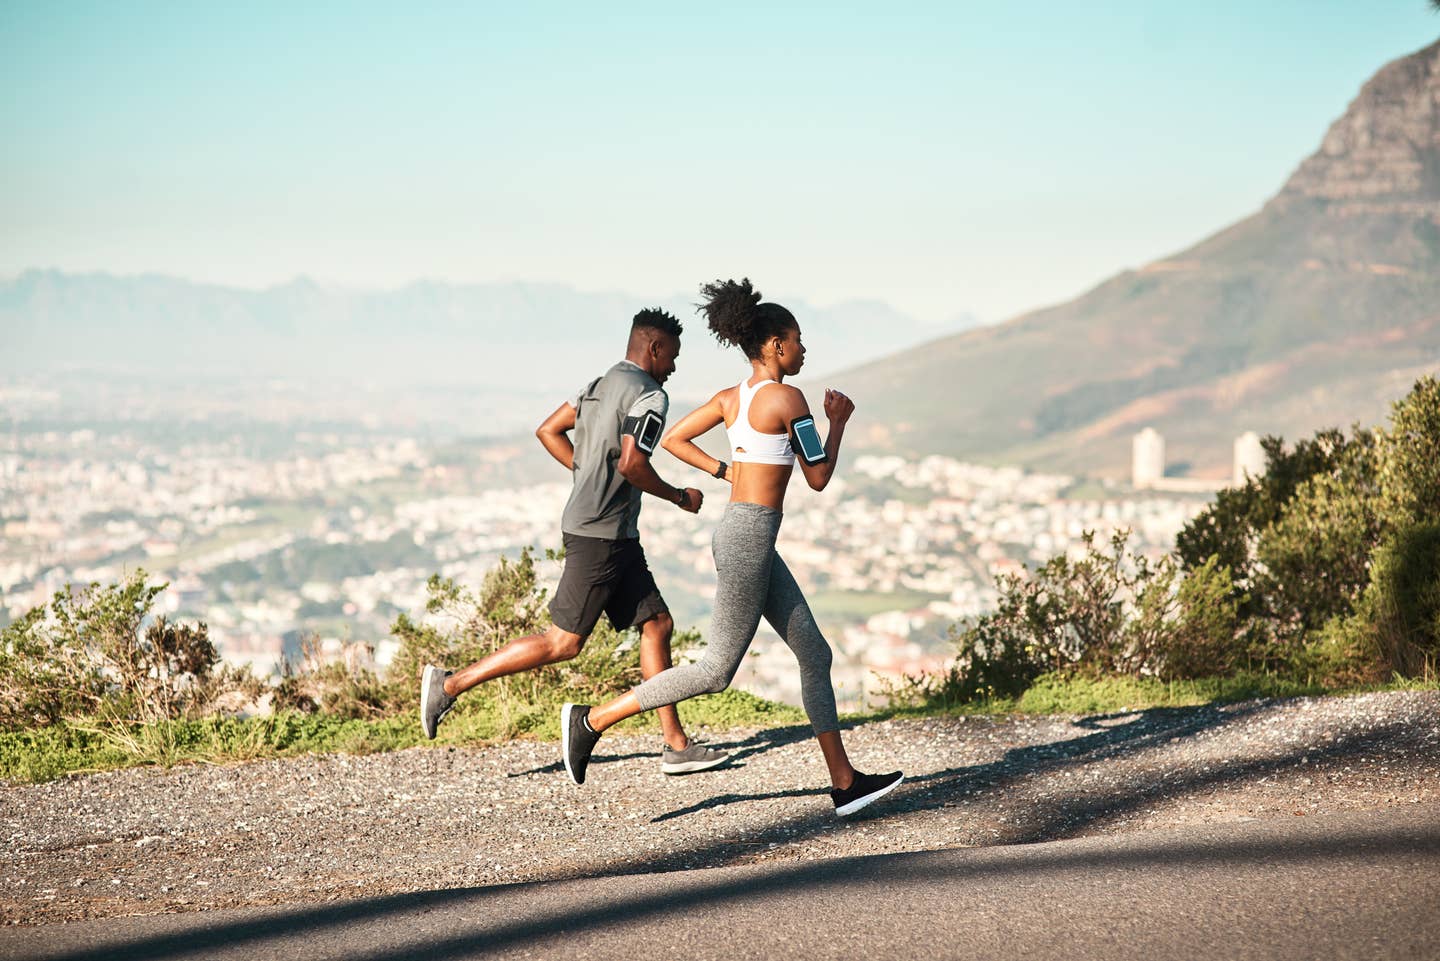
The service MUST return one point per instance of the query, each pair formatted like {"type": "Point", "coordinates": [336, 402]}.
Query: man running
{"type": "Point", "coordinates": [617, 419]}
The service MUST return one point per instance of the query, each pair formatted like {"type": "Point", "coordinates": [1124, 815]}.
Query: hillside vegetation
{"type": "Point", "coordinates": [1323, 574]}
{"type": "Point", "coordinates": [1323, 571]}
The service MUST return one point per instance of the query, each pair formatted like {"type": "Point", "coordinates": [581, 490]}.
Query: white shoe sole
{"type": "Point", "coordinates": [861, 802]}
{"type": "Point", "coordinates": [565, 739]}
{"type": "Point", "coordinates": [426, 686]}
{"type": "Point", "coordinates": [690, 767]}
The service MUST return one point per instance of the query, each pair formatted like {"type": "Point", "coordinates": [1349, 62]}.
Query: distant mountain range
{"type": "Point", "coordinates": [498, 337]}
{"type": "Point", "coordinates": [1316, 311]}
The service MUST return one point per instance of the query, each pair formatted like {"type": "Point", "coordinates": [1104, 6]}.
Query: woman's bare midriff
{"type": "Point", "coordinates": [760, 484]}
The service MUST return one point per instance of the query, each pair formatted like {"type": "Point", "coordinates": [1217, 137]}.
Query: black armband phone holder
{"type": "Point", "coordinates": [645, 429]}
{"type": "Point", "coordinates": [805, 440]}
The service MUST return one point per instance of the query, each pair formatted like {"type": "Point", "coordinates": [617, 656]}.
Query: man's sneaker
{"type": "Point", "coordinates": [434, 702]}
{"type": "Point", "coordinates": [695, 757]}
{"type": "Point", "coordinates": [577, 740]}
{"type": "Point", "coordinates": [864, 789]}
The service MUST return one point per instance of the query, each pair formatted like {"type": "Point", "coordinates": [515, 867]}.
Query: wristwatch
{"type": "Point", "coordinates": [682, 499]}
{"type": "Point", "coordinates": [721, 471]}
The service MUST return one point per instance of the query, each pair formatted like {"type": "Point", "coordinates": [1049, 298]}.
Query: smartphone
{"type": "Point", "coordinates": [805, 439]}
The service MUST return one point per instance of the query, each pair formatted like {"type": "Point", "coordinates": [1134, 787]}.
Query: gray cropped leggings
{"type": "Point", "coordinates": [751, 580]}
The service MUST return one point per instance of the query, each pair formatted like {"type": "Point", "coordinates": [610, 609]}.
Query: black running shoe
{"type": "Point", "coordinates": [864, 789]}
{"type": "Point", "coordinates": [577, 740]}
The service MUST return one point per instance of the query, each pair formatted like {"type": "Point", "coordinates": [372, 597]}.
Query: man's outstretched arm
{"type": "Point", "coordinates": [636, 468]}
{"type": "Point", "coordinates": [554, 435]}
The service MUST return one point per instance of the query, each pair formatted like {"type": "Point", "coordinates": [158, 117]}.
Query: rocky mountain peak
{"type": "Point", "coordinates": [1383, 154]}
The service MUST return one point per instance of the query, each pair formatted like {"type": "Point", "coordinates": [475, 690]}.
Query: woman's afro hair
{"type": "Point", "coordinates": [737, 317]}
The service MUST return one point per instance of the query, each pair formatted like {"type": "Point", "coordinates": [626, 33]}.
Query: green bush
{"type": "Point", "coordinates": [45, 753]}
{"type": "Point", "coordinates": [89, 652]}
{"type": "Point", "coordinates": [1312, 561]}
{"type": "Point", "coordinates": [37, 684]}
{"type": "Point", "coordinates": [341, 686]}
{"type": "Point", "coordinates": [1323, 550]}
{"type": "Point", "coordinates": [1200, 635]}
{"type": "Point", "coordinates": [1334, 581]}
{"type": "Point", "coordinates": [1057, 694]}
{"type": "Point", "coordinates": [1395, 629]}
{"type": "Point", "coordinates": [1404, 599]}
{"type": "Point", "coordinates": [1230, 528]}
{"type": "Point", "coordinates": [1410, 457]}
{"type": "Point", "coordinates": [1104, 613]}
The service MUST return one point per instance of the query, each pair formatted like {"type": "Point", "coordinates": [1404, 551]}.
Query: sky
{"type": "Point", "coordinates": [945, 158]}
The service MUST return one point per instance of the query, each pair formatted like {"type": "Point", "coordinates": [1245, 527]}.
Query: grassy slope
{"type": "Point", "coordinates": [48, 753]}
{"type": "Point", "coordinates": [81, 747]}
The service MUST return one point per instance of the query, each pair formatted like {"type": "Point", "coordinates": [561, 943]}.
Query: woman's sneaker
{"type": "Point", "coordinates": [434, 702]}
{"type": "Point", "coordinates": [577, 740]}
{"type": "Point", "coordinates": [864, 789]}
{"type": "Point", "coordinates": [695, 757]}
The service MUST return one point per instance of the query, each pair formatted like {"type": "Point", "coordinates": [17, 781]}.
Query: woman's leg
{"type": "Point", "coordinates": [744, 547]}
{"type": "Point", "coordinates": [789, 615]}
{"type": "Point", "coordinates": [842, 772]}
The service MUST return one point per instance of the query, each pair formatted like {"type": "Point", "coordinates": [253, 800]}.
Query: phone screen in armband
{"type": "Point", "coordinates": [650, 427]}
{"type": "Point", "coordinates": [805, 438]}
{"type": "Point", "coordinates": [645, 429]}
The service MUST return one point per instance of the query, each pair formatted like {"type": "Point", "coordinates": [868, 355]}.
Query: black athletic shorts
{"type": "Point", "coordinates": [604, 575]}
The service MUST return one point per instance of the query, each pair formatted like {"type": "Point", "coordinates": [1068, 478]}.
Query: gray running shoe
{"type": "Point", "coordinates": [695, 757]}
{"type": "Point", "coordinates": [434, 702]}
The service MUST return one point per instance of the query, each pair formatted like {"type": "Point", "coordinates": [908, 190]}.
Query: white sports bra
{"type": "Point", "coordinates": [758, 448]}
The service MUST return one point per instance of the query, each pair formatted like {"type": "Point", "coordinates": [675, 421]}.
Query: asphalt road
{"type": "Point", "coordinates": [1362, 885]}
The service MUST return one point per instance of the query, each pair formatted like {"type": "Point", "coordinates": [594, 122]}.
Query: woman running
{"type": "Point", "coordinates": [769, 424]}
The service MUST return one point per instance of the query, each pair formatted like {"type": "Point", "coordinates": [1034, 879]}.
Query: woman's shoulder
{"type": "Point", "coordinates": [726, 396]}
{"type": "Point", "coordinates": [726, 400]}
{"type": "Point", "coordinates": [781, 395]}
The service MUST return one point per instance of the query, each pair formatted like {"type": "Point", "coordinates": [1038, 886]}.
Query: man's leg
{"type": "Point", "coordinates": [521, 654]}
{"type": "Point", "coordinates": [655, 637]}
{"type": "Point", "coordinates": [586, 584]}
{"type": "Point", "coordinates": [438, 690]}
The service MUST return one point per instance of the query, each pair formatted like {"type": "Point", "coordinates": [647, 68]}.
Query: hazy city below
{"type": "Point", "coordinates": [281, 512]}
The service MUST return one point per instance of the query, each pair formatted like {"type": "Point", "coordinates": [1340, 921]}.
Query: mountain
{"type": "Point", "coordinates": [502, 337]}
{"type": "Point", "coordinates": [1316, 311]}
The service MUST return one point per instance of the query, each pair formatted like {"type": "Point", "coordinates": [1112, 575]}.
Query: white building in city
{"type": "Point", "coordinates": [1249, 457]}
{"type": "Point", "coordinates": [1147, 458]}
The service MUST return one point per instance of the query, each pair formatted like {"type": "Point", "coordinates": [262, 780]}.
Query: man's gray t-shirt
{"type": "Point", "coordinates": [602, 503]}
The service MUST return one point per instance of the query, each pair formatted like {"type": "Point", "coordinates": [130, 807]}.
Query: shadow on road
{"type": "Point", "coordinates": [720, 800]}
{"type": "Point", "coordinates": [538, 918]}
{"type": "Point", "coordinates": [1115, 735]}
{"type": "Point", "coordinates": [739, 750]}
{"type": "Point", "coordinates": [1069, 812]}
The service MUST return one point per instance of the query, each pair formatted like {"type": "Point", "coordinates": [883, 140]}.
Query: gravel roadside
{"type": "Point", "coordinates": [332, 827]}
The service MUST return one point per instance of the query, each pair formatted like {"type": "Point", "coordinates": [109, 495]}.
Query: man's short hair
{"type": "Point", "coordinates": [657, 319]}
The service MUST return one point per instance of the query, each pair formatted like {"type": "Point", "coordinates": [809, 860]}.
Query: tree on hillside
{"type": "Point", "coordinates": [1230, 529]}
{"type": "Point", "coordinates": [1312, 561]}
{"type": "Point", "coordinates": [1332, 545]}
